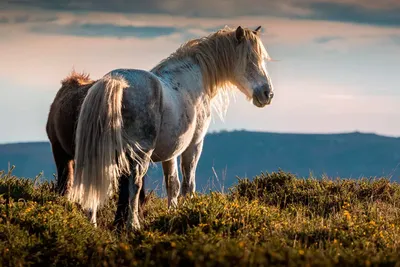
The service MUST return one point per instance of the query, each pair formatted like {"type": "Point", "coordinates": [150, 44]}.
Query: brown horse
{"type": "Point", "coordinates": [61, 128]}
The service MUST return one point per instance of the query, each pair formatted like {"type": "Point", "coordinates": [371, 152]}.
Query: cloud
{"type": "Point", "coordinates": [285, 40]}
{"type": "Point", "coordinates": [275, 30]}
{"type": "Point", "coordinates": [205, 8]}
{"type": "Point", "coordinates": [326, 39]}
{"type": "Point", "coordinates": [383, 13]}
{"type": "Point", "coordinates": [367, 4]}
{"type": "Point", "coordinates": [25, 18]}
{"type": "Point", "coordinates": [355, 13]}
{"type": "Point", "coordinates": [97, 30]}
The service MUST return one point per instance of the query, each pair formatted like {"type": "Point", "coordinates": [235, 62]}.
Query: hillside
{"type": "Point", "coordinates": [243, 153]}
{"type": "Point", "coordinates": [273, 220]}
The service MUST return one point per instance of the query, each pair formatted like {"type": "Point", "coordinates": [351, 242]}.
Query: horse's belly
{"type": "Point", "coordinates": [176, 134]}
{"type": "Point", "coordinates": [168, 150]}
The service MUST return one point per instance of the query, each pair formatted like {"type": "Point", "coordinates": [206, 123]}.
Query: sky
{"type": "Point", "coordinates": [337, 65]}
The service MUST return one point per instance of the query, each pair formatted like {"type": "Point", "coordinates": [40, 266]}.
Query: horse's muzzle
{"type": "Point", "coordinates": [263, 96]}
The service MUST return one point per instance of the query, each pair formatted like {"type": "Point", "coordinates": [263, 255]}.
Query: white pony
{"type": "Point", "coordinates": [131, 117]}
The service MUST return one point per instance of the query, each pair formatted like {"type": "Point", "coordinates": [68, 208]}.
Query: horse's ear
{"type": "Point", "coordinates": [257, 31]}
{"type": "Point", "coordinates": [239, 34]}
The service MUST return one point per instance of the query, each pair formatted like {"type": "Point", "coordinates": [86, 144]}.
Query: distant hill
{"type": "Point", "coordinates": [243, 153]}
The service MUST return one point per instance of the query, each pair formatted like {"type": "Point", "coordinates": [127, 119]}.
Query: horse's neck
{"type": "Point", "coordinates": [184, 76]}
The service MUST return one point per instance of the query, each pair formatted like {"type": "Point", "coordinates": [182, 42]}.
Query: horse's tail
{"type": "Point", "coordinates": [100, 146]}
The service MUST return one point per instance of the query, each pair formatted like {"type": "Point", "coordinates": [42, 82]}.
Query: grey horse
{"type": "Point", "coordinates": [131, 117]}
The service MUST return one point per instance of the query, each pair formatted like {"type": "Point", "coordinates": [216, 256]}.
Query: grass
{"type": "Point", "coordinates": [274, 219]}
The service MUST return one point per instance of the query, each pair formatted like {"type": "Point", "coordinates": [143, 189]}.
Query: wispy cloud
{"type": "Point", "coordinates": [205, 8]}
{"type": "Point", "coordinates": [383, 13]}
{"type": "Point", "coordinates": [275, 30]}
{"type": "Point", "coordinates": [368, 4]}
{"type": "Point", "coordinates": [327, 39]}
{"type": "Point", "coordinates": [24, 17]}
{"type": "Point", "coordinates": [356, 13]}
{"type": "Point", "coordinates": [98, 30]}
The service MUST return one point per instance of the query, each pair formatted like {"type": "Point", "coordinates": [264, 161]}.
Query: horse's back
{"type": "Point", "coordinates": [141, 105]}
{"type": "Point", "coordinates": [144, 88]}
{"type": "Point", "coordinates": [64, 111]}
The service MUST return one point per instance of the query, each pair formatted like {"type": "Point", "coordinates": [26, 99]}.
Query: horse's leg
{"type": "Point", "coordinates": [135, 184]}
{"type": "Point", "coordinates": [92, 214]}
{"type": "Point", "coordinates": [69, 175]}
{"type": "Point", "coordinates": [65, 168]}
{"type": "Point", "coordinates": [189, 159]}
{"type": "Point", "coordinates": [121, 215]}
{"type": "Point", "coordinates": [170, 170]}
{"type": "Point", "coordinates": [142, 196]}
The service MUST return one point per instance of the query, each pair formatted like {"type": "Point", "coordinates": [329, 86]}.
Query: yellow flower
{"type": "Point", "coordinates": [347, 214]}
{"type": "Point", "coordinates": [173, 244]}
{"type": "Point", "coordinates": [124, 246]}
{"type": "Point", "coordinates": [301, 252]}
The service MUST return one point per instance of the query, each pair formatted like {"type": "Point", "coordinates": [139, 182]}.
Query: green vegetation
{"type": "Point", "coordinates": [274, 219]}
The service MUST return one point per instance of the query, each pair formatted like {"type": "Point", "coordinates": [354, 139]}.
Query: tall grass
{"type": "Point", "coordinates": [274, 219]}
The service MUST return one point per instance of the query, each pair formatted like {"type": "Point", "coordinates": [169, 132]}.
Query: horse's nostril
{"type": "Point", "coordinates": [269, 94]}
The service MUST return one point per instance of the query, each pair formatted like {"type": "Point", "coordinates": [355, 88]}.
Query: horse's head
{"type": "Point", "coordinates": [251, 75]}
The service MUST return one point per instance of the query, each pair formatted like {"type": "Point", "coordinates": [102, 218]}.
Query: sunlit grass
{"type": "Point", "coordinates": [274, 219]}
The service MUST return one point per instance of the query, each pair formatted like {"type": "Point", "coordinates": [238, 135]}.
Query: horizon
{"type": "Point", "coordinates": [247, 131]}
{"type": "Point", "coordinates": [336, 70]}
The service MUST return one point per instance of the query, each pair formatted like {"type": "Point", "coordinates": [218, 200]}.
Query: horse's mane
{"type": "Point", "coordinates": [75, 79]}
{"type": "Point", "coordinates": [218, 54]}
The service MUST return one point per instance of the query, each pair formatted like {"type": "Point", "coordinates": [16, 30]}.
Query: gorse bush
{"type": "Point", "coordinates": [322, 197]}
{"type": "Point", "coordinates": [274, 219]}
